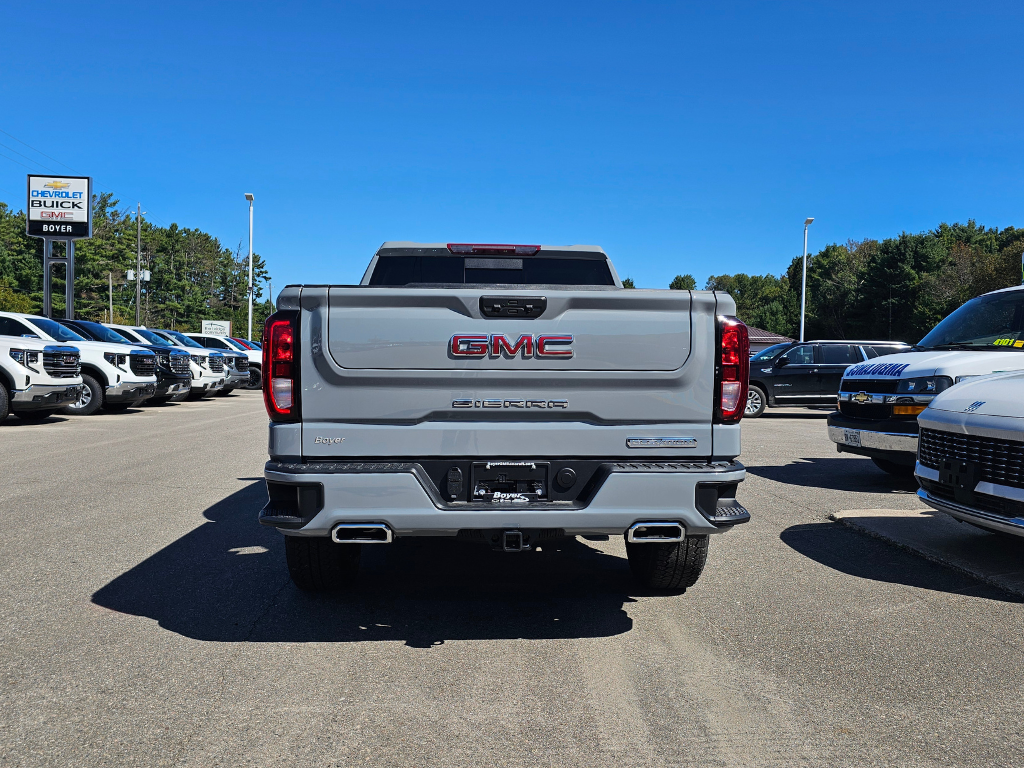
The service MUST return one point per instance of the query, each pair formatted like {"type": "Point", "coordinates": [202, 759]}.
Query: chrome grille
{"type": "Point", "coordinates": [179, 364]}
{"type": "Point", "coordinates": [877, 386]}
{"type": "Point", "coordinates": [62, 363]}
{"type": "Point", "coordinates": [142, 365]}
{"type": "Point", "coordinates": [998, 461]}
{"type": "Point", "coordinates": [874, 411]}
{"type": "Point", "coordinates": [216, 364]}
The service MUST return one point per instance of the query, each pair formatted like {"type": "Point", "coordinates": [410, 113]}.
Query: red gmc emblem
{"type": "Point", "coordinates": [496, 345]}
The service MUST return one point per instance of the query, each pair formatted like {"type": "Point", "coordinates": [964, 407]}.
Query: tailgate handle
{"type": "Point", "coordinates": [513, 306]}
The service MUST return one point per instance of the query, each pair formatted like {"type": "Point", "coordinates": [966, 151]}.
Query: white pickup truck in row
{"type": "Point", "coordinates": [36, 377]}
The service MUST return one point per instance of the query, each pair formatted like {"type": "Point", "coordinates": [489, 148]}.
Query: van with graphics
{"type": "Point", "coordinates": [879, 401]}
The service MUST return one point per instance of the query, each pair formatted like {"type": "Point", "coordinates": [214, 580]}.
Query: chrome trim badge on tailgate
{"type": "Point", "coordinates": [469, 402]}
{"type": "Point", "coordinates": [661, 442]}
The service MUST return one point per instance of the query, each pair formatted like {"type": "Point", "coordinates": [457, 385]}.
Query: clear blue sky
{"type": "Point", "coordinates": [681, 137]}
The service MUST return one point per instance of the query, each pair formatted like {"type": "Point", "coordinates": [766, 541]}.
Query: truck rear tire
{"type": "Point", "coordinates": [894, 469]}
{"type": "Point", "coordinates": [5, 401]}
{"type": "Point", "coordinates": [317, 564]}
{"type": "Point", "coordinates": [671, 566]}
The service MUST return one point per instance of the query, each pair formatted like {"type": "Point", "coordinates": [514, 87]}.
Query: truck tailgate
{"type": "Point", "coordinates": [381, 371]}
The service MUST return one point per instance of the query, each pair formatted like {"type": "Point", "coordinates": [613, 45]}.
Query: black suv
{"type": "Point", "coordinates": [808, 372]}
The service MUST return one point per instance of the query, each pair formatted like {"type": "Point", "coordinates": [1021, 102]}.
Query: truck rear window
{"type": "Point", "coordinates": [482, 270]}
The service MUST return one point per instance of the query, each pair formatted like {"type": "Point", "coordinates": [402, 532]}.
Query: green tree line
{"type": "Point", "coordinates": [892, 289]}
{"type": "Point", "coordinates": [194, 276]}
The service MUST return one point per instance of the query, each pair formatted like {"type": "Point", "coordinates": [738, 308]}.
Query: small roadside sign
{"type": "Point", "coordinates": [217, 327]}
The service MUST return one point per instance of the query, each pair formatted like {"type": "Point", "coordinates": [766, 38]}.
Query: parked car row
{"type": "Point", "coordinates": [82, 366]}
{"type": "Point", "coordinates": [879, 403]}
{"type": "Point", "coordinates": [949, 412]}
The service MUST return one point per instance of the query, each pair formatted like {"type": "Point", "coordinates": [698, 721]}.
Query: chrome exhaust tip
{"type": "Point", "coordinates": [655, 533]}
{"type": "Point", "coordinates": [361, 533]}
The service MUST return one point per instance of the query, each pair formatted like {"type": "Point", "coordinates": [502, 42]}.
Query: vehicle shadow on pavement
{"type": "Point", "coordinates": [14, 421]}
{"type": "Point", "coordinates": [856, 554]}
{"type": "Point", "coordinates": [839, 473]}
{"type": "Point", "coordinates": [227, 581]}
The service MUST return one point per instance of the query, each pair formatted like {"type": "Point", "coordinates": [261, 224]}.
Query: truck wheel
{"type": "Point", "coordinates": [756, 402]}
{"type": "Point", "coordinates": [317, 564]}
{"type": "Point", "coordinates": [90, 400]}
{"type": "Point", "coordinates": [34, 416]}
{"type": "Point", "coordinates": [255, 378]}
{"type": "Point", "coordinates": [671, 566]}
{"type": "Point", "coordinates": [894, 469]}
{"type": "Point", "coordinates": [5, 401]}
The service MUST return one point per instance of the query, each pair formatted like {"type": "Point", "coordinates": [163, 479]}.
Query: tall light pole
{"type": "Point", "coordinates": [250, 197]}
{"type": "Point", "coordinates": [138, 266]}
{"type": "Point", "coordinates": [803, 291]}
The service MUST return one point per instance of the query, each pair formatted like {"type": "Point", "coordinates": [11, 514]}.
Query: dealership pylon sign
{"type": "Point", "coordinates": [59, 208]}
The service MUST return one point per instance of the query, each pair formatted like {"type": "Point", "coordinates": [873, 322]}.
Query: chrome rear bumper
{"type": "Point", "coordinates": [865, 438]}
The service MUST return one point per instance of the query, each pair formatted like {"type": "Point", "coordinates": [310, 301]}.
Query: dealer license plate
{"type": "Point", "coordinates": [851, 437]}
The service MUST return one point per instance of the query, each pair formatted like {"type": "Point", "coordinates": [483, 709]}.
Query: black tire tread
{"type": "Point", "coordinates": [672, 566]}
{"type": "Point", "coordinates": [317, 564]}
{"type": "Point", "coordinates": [5, 402]}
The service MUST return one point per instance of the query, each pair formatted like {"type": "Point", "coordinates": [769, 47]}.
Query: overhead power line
{"type": "Point", "coordinates": [58, 162]}
{"type": "Point", "coordinates": [65, 165]}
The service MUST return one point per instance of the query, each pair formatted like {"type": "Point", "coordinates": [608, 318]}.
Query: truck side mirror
{"type": "Point", "coordinates": [782, 362]}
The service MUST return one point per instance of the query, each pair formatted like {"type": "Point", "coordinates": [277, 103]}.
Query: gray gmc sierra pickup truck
{"type": "Point", "coordinates": [504, 394]}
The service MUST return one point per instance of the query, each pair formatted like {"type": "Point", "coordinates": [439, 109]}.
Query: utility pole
{"type": "Point", "coordinates": [271, 284]}
{"type": "Point", "coordinates": [803, 291]}
{"type": "Point", "coordinates": [250, 197]}
{"type": "Point", "coordinates": [138, 268]}
{"type": "Point", "coordinates": [110, 289]}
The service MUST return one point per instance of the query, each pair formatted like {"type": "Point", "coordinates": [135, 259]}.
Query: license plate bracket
{"type": "Point", "coordinates": [509, 481]}
{"type": "Point", "coordinates": [963, 476]}
{"type": "Point", "coordinates": [851, 437]}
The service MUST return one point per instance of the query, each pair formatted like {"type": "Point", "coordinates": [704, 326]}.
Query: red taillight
{"type": "Point", "coordinates": [732, 370]}
{"type": "Point", "coordinates": [485, 249]}
{"type": "Point", "coordinates": [281, 366]}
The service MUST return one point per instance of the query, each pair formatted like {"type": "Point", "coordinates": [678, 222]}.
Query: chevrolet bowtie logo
{"type": "Point", "coordinates": [861, 397]}
{"type": "Point", "coordinates": [56, 185]}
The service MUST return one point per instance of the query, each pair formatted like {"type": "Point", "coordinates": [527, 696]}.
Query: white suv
{"type": "Point", "coordinates": [114, 376]}
{"type": "Point", "coordinates": [229, 346]}
{"type": "Point", "coordinates": [36, 378]}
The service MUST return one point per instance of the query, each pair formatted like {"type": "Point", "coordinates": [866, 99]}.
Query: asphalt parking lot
{"type": "Point", "coordinates": [147, 619]}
